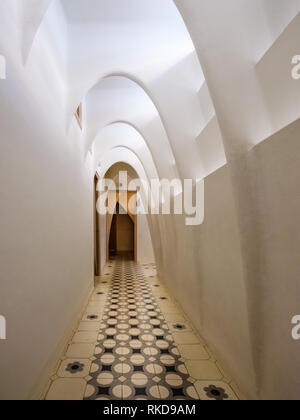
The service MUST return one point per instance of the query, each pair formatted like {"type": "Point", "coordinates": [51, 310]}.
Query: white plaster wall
{"type": "Point", "coordinates": [205, 271]}
{"type": "Point", "coordinates": [102, 243]}
{"type": "Point", "coordinates": [277, 163]}
{"type": "Point", "coordinates": [250, 107]}
{"type": "Point", "coordinates": [203, 268]}
{"type": "Point", "coordinates": [281, 93]}
{"type": "Point", "coordinates": [46, 229]}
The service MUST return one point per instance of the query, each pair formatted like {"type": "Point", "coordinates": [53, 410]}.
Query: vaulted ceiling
{"type": "Point", "coordinates": [133, 63]}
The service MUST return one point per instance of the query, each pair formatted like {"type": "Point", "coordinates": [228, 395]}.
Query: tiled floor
{"type": "Point", "coordinates": [134, 343]}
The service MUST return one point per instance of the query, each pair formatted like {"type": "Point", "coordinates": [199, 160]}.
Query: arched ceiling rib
{"type": "Point", "coordinates": [230, 62]}
{"type": "Point", "coordinates": [121, 99]}
{"type": "Point", "coordinates": [123, 135]}
{"type": "Point", "coordinates": [149, 41]}
{"type": "Point", "coordinates": [123, 155]}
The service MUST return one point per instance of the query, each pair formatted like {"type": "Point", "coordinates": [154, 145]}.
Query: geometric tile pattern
{"type": "Point", "coordinates": [135, 343]}
{"type": "Point", "coordinates": [136, 357]}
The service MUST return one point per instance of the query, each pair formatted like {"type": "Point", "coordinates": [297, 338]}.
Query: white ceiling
{"type": "Point", "coordinates": [120, 11]}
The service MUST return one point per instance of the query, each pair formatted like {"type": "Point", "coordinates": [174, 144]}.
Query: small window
{"type": "Point", "coordinates": [78, 115]}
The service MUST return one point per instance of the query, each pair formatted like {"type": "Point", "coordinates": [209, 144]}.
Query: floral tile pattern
{"type": "Point", "coordinates": [137, 332]}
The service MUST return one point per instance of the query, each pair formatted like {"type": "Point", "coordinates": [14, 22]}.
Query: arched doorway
{"type": "Point", "coordinates": [122, 235]}
{"type": "Point", "coordinates": [133, 228]}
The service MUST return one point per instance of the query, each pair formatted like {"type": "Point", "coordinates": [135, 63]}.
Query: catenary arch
{"type": "Point", "coordinates": [177, 72]}
{"type": "Point", "coordinates": [125, 136]}
{"type": "Point", "coordinates": [103, 162]}
{"type": "Point", "coordinates": [122, 98]}
{"type": "Point", "coordinates": [121, 134]}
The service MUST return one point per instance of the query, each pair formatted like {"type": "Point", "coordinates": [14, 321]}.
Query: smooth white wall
{"type": "Point", "coordinates": [249, 79]}
{"type": "Point", "coordinates": [46, 229]}
{"type": "Point", "coordinates": [277, 165]}
{"type": "Point", "coordinates": [203, 268]}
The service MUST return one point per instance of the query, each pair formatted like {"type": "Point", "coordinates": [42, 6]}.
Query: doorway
{"type": "Point", "coordinates": [122, 236]}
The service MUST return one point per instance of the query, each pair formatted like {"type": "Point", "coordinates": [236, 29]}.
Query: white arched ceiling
{"type": "Point", "coordinates": [124, 135]}
{"type": "Point", "coordinates": [148, 42]}
{"type": "Point", "coordinates": [31, 15]}
{"type": "Point", "coordinates": [47, 61]}
{"type": "Point", "coordinates": [117, 155]}
{"type": "Point", "coordinates": [142, 47]}
{"type": "Point", "coordinates": [121, 99]}
{"type": "Point", "coordinates": [230, 62]}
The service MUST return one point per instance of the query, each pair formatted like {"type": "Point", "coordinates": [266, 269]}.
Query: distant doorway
{"type": "Point", "coordinates": [122, 236]}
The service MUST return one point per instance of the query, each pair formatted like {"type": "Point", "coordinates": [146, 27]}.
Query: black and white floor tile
{"type": "Point", "coordinates": [136, 357]}
{"type": "Point", "coordinates": [134, 343]}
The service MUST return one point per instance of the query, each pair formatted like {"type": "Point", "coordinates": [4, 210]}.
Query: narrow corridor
{"type": "Point", "coordinates": [136, 132]}
{"type": "Point", "coordinates": [135, 343]}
